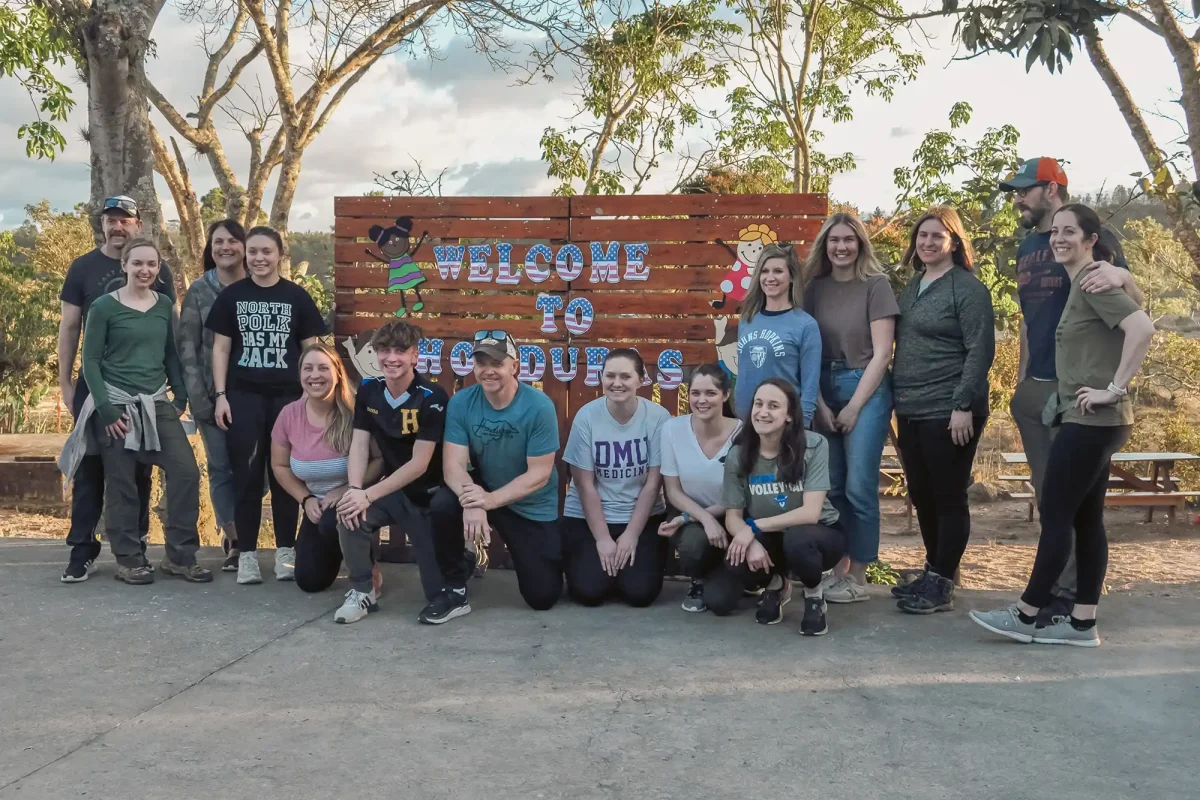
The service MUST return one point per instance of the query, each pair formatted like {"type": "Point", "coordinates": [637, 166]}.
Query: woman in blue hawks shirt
{"type": "Point", "coordinates": [614, 505]}
{"type": "Point", "coordinates": [777, 338]}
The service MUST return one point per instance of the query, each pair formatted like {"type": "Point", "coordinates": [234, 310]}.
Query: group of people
{"type": "Point", "coordinates": [762, 485]}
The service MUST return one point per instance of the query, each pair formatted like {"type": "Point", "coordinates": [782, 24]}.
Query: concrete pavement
{"type": "Point", "coordinates": [220, 691]}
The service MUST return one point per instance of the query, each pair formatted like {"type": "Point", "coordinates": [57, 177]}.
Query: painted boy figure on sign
{"type": "Point", "coordinates": [403, 272]}
{"type": "Point", "coordinates": [751, 241]}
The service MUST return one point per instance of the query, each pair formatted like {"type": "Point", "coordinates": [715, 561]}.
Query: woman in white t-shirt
{"type": "Point", "coordinates": [694, 447]}
{"type": "Point", "coordinates": [614, 503]}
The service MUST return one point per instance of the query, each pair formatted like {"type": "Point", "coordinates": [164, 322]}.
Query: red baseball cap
{"type": "Point", "coordinates": [1033, 172]}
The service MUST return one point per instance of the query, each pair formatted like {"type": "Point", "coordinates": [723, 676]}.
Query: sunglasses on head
{"type": "Point", "coordinates": [498, 335]}
{"type": "Point", "coordinates": [121, 203]}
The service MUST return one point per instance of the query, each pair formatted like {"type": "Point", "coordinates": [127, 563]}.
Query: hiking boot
{"type": "Point", "coordinates": [770, 606]}
{"type": "Point", "coordinates": [845, 590]}
{"type": "Point", "coordinates": [1005, 622]}
{"type": "Point", "coordinates": [446, 606]}
{"type": "Point", "coordinates": [1059, 608]}
{"type": "Point", "coordinates": [82, 563]}
{"type": "Point", "coordinates": [285, 563]}
{"type": "Point", "coordinates": [135, 576]}
{"type": "Point", "coordinates": [694, 602]}
{"type": "Point", "coordinates": [936, 595]}
{"type": "Point", "coordinates": [813, 623]}
{"type": "Point", "coordinates": [192, 573]}
{"type": "Point", "coordinates": [914, 586]}
{"type": "Point", "coordinates": [248, 571]}
{"type": "Point", "coordinates": [356, 606]}
{"type": "Point", "coordinates": [1063, 632]}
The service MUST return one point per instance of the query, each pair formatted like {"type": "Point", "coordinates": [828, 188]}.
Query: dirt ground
{"type": "Point", "coordinates": [1153, 559]}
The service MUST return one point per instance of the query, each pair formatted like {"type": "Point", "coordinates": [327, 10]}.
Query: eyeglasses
{"type": "Point", "coordinates": [498, 335]}
{"type": "Point", "coordinates": [122, 203]}
{"type": "Point", "coordinates": [1028, 189]}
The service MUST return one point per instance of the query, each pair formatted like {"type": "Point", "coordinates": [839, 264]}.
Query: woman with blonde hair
{"type": "Point", "coordinates": [855, 309]}
{"type": "Point", "coordinates": [945, 342]}
{"type": "Point", "coordinates": [310, 448]}
{"type": "Point", "coordinates": [777, 338]}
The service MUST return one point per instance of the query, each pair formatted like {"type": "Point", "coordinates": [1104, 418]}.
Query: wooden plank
{"type": "Point", "coordinates": [788, 229]}
{"type": "Point", "coordinates": [450, 227]}
{"type": "Point", "coordinates": [661, 278]}
{"type": "Point", "coordinates": [426, 207]}
{"type": "Point", "coordinates": [605, 329]}
{"type": "Point", "coordinates": [348, 251]}
{"type": "Point", "coordinates": [752, 205]}
{"type": "Point", "coordinates": [675, 303]}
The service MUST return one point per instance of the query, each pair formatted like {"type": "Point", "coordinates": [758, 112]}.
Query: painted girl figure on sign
{"type": "Point", "coordinates": [403, 272]}
{"type": "Point", "coordinates": [751, 241]}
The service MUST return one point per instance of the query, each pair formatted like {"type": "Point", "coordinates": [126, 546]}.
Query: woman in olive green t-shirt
{"type": "Point", "coordinates": [1101, 341]}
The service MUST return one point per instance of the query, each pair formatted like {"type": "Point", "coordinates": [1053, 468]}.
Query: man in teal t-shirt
{"type": "Point", "coordinates": [498, 464]}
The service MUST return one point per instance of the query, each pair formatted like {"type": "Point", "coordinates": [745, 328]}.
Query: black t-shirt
{"type": "Point", "coordinates": [419, 416]}
{"type": "Point", "coordinates": [266, 325]}
{"type": "Point", "coordinates": [1042, 290]}
{"type": "Point", "coordinates": [94, 274]}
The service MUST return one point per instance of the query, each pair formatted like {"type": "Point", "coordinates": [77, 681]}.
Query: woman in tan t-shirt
{"type": "Point", "coordinates": [852, 301]}
{"type": "Point", "coordinates": [1101, 341]}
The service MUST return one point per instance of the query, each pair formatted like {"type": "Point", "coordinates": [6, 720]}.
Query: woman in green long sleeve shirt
{"type": "Point", "coordinates": [129, 359]}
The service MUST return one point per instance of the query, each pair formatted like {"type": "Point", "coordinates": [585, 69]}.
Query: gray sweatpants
{"type": "Point", "coordinates": [1026, 408]}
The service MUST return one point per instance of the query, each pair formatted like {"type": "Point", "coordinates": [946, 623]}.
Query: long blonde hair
{"type": "Point", "coordinates": [755, 299]}
{"type": "Point", "coordinates": [341, 430]}
{"type": "Point", "coordinates": [818, 265]}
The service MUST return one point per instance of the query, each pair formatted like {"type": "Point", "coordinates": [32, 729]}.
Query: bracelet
{"type": "Point", "coordinates": [685, 516]}
{"type": "Point", "coordinates": [219, 394]}
{"type": "Point", "coordinates": [1117, 390]}
{"type": "Point", "coordinates": [754, 526]}
{"type": "Point", "coordinates": [306, 497]}
{"type": "Point", "coordinates": [356, 488]}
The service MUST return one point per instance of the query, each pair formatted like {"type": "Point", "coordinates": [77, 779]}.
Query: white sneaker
{"type": "Point", "coordinates": [248, 571]}
{"type": "Point", "coordinates": [357, 605]}
{"type": "Point", "coordinates": [846, 590]}
{"type": "Point", "coordinates": [285, 563]}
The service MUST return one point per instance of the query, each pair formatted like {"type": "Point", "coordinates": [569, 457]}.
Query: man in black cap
{"type": "Point", "coordinates": [501, 439]}
{"type": "Point", "coordinates": [90, 276]}
{"type": "Point", "coordinates": [1039, 190]}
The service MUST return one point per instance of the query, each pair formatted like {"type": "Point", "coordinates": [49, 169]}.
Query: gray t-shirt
{"type": "Point", "coordinates": [844, 311]}
{"type": "Point", "coordinates": [619, 456]}
{"type": "Point", "coordinates": [700, 476]}
{"type": "Point", "coordinates": [762, 495]}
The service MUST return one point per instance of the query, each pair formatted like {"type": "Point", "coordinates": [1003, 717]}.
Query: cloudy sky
{"type": "Point", "coordinates": [457, 114]}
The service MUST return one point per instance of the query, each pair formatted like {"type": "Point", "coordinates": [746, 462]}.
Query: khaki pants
{"type": "Point", "coordinates": [1026, 408]}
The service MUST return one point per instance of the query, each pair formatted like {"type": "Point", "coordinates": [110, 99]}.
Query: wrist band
{"type": "Point", "coordinates": [219, 394]}
{"type": "Point", "coordinates": [1117, 390]}
{"type": "Point", "coordinates": [685, 516]}
{"type": "Point", "coordinates": [306, 497]}
{"type": "Point", "coordinates": [356, 488]}
{"type": "Point", "coordinates": [754, 526]}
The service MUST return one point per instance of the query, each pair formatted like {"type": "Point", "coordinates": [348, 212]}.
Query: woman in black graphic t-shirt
{"type": "Point", "coordinates": [260, 325]}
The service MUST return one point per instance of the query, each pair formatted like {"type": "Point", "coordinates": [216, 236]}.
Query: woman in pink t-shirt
{"type": "Point", "coordinates": [310, 444]}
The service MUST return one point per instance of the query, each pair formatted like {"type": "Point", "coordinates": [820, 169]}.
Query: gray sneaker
{"type": "Point", "coordinates": [694, 602]}
{"type": "Point", "coordinates": [1005, 622]}
{"type": "Point", "coordinates": [1062, 632]}
{"type": "Point", "coordinates": [845, 590]}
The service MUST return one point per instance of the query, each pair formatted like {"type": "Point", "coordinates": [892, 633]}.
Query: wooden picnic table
{"type": "Point", "coordinates": [1135, 490]}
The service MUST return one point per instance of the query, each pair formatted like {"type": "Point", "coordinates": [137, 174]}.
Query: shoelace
{"type": "Point", "coordinates": [355, 598]}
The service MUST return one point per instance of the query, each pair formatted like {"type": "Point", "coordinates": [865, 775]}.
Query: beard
{"type": "Point", "coordinates": [1032, 217]}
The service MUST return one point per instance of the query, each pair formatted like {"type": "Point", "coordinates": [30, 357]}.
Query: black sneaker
{"type": "Point", "coordinates": [445, 607]}
{"type": "Point", "coordinates": [937, 595]}
{"type": "Point", "coordinates": [913, 587]}
{"type": "Point", "coordinates": [1059, 609]}
{"type": "Point", "coordinates": [694, 602]}
{"type": "Point", "coordinates": [813, 622]}
{"type": "Point", "coordinates": [82, 563]}
{"type": "Point", "coordinates": [770, 606]}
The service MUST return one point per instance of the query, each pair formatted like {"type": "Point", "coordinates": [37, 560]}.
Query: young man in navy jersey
{"type": "Point", "coordinates": [1039, 190]}
{"type": "Point", "coordinates": [404, 415]}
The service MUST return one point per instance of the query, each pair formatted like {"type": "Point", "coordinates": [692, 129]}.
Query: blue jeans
{"type": "Point", "coordinates": [220, 472]}
{"type": "Point", "coordinates": [854, 459]}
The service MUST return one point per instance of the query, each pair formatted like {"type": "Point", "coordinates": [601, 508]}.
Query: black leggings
{"type": "Point", "coordinates": [1072, 496]}
{"type": "Point", "coordinates": [638, 583]}
{"type": "Point", "coordinates": [698, 558]}
{"type": "Point", "coordinates": [249, 443]}
{"type": "Point", "coordinates": [802, 552]}
{"type": "Point", "coordinates": [318, 552]}
{"type": "Point", "coordinates": [938, 473]}
{"type": "Point", "coordinates": [535, 547]}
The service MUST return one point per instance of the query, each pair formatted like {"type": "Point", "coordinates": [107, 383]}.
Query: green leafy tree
{"type": "Point", "coordinates": [638, 74]}
{"type": "Point", "coordinates": [28, 361]}
{"type": "Point", "coordinates": [1162, 268]}
{"type": "Point", "coordinates": [50, 240]}
{"type": "Point", "coordinates": [801, 61]}
{"type": "Point", "coordinates": [31, 46]}
{"type": "Point", "coordinates": [949, 170]}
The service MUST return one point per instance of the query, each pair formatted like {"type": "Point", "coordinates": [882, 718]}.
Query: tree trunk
{"type": "Point", "coordinates": [281, 204]}
{"type": "Point", "coordinates": [1186, 54]}
{"type": "Point", "coordinates": [1186, 233]}
{"type": "Point", "coordinates": [113, 41]}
